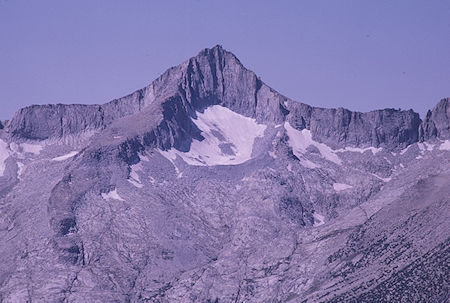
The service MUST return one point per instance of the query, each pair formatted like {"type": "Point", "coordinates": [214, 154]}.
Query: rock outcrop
{"type": "Point", "coordinates": [340, 127]}
{"type": "Point", "coordinates": [437, 122]}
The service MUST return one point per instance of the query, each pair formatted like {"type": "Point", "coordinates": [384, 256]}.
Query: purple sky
{"type": "Point", "coordinates": [361, 55]}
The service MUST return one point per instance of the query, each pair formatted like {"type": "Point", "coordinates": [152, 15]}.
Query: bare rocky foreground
{"type": "Point", "coordinates": [209, 186]}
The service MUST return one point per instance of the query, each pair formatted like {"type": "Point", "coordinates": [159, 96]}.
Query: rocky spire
{"type": "Point", "coordinates": [437, 122]}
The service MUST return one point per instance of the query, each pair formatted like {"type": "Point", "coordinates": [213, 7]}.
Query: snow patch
{"type": "Point", "coordinates": [318, 219]}
{"type": "Point", "coordinates": [429, 146]}
{"type": "Point", "coordinates": [382, 179]}
{"type": "Point", "coordinates": [135, 183]}
{"type": "Point", "coordinates": [4, 154]}
{"type": "Point", "coordinates": [445, 145]}
{"type": "Point", "coordinates": [300, 140]}
{"type": "Point", "coordinates": [31, 148]}
{"type": "Point", "coordinates": [112, 195]}
{"type": "Point", "coordinates": [66, 156]}
{"type": "Point", "coordinates": [308, 164]}
{"type": "Point", "coordinates": [374, 150]}
{"type": "Point", "coordinates": [229, 138]}
{"type": "Point", "coordinates": [341, 186]}
{"type": "Point", "coordinates": [425, 146]}
{"type": "Point", "coordinates": [143, 157]}
{"type": "Point", "coordinates": [171, 155]}
{"type": "Point", "coordinates": [134, 177]}
{"type": "Point", "coordinates": [403, 151]}
{"type": "Point", "coordinates": [20, 170]}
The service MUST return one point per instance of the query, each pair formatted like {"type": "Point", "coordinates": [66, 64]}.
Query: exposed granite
{"type": "Point", "coordinates": [437, 122]}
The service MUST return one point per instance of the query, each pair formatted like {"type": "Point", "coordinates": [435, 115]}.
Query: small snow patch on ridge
{"type": "Point", "coordinates": [66, 156]}
{"type": "Point", "coordinates": [383, 179]}
{"type": "Point", "coordinates": [308, 164]}
{"type": "Point", "coordinates": [143, 157]}
{"type": "Point", "coordinates": [374, 150]}
{"type": "Point", "coordinates": [31, 148]}
{"type": "Point", "coordinates": [341, 186]}
{"type": "Point", "coordinates": [445, 145]}
{"type": "Point", "coordinates": [20, 170]}
{"type": "Point", "coordinates": [134, 177]}
{"type": "Point", "coordinates": [403, 151]}
{"type": "Point", "coordinates": [272, 154]}
{"type": "Point", "coordinates": [318, 219]}
{"type": "Point", "coordinates": [425, 147]}
{"type": "Point", "coordinates": [112, 195]}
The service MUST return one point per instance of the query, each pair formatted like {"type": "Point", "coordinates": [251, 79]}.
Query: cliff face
{"type": "Point", "coordinates": [47, 121]}
{"type": "Point", "coordinates": [340, 127]}
{"type": "Point", "coordinates": [216, 76]}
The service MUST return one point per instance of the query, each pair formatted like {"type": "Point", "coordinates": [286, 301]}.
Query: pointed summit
{"type": "Point", "coordinates": [218, 52]}
{"type": "Point", "coordinates": [437, 122]}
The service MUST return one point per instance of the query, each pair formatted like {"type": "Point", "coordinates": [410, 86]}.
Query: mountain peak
{"type": "Point", "coordinates": [216, 77]}
{"type": "Point", "coordinates": [217, 53]}
{"type": "Point", "coordinates": [217, 49]}
{"type": "Point", "coordinates": [207, 185]}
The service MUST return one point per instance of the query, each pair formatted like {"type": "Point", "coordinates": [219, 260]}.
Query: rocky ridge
{"type": "Point", "coordinates": [216, 76]}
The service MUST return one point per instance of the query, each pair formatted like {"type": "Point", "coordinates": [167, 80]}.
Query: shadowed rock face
{"type": "Point", "coordinates": [209, 186]}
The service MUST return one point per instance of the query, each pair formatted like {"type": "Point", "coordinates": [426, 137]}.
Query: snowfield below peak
{"type": "Point", "coordinates": [229, 138]}
{"type": "Point", "coordinates": [301, 140]}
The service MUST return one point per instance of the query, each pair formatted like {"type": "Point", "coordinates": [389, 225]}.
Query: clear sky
{"type": "Point", "coordinates": [361, 55]}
